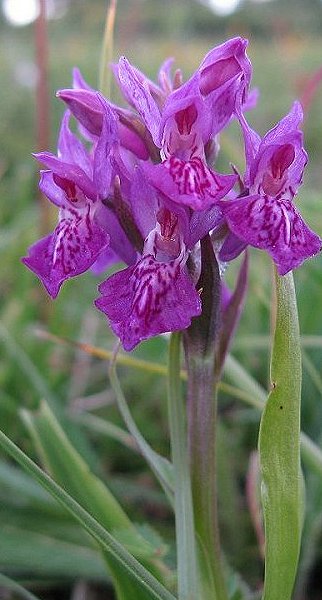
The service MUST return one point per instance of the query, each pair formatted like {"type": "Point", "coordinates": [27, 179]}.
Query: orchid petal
{"type": "Point", "coordinates": [106, 259]}
{"type": "Point", "coordinates": [70, 148]}
{"type": "Point", "coordinates": [141, 98]}
{"type": "Point", "coordinates": [85, 106]}
{"type": "Point", "coordinates": [130, 140]}
{"type": "Point", "coordinates": [70, 250]}
{"type": "Point", "coordinates": [51, 190]}
{"type": "Point", "coordinates": [232, 247]}
{"type": "Point", "coordinates": [119, 242]}
{"type": "Point", "coordinates": [202, 222]}
{"type": "Point", "coordinates": [190, 183]}
{"type": "Point", "coordinates": [232, 56]}
{"type": "Point", "coordinates": [107, 139]}
{"type": "Point", "coordinates": [69, 171]}
{"type": "Point", "coordinates": [289, 123]}
{"type": "Point", "coordinates": [148, 299]}
{"type": "Point", "coordinates": [274, 226]}
{"type": "Point", "coordinates": [185, 126]}
{"type": "Point", "coordinates": [79, 81]}
{"type": "Point", "coordinates": [164, 75]}
{"type": "Point", "coordinates": [144, 202]}
{"type": "Point", "coordinates": [252, 143]}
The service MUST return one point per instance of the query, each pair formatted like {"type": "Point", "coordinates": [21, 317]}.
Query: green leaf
{"type": "Point", "coordinates": [70, 471]}
{"type": "Point", "coordinates": [147, 547]}
{"type": "Point", "coordinates": [279, 447]}
{"type": "Point", "coordinates": [237, 588]}
{"type": "Point", "coordinates": [153, 537]}
{"type": "Point", "coordinates": [253, 394]}
{"type": "Point", "coordinates": [144, 585]}
{"type": "Point", "coordinates": [237, 374]}
{"type": "Point", "coordinates": [17, 489]}
{"type": "Point", "coordinates": [25, 551]}
{"type": "Point", "coordinates": [68, 468]}
{"type": "Point", "coordinates": [31, 373]}
{"type": "Point", "coordinates": [25, 365]}
{"type": "Point", "coordinates": [105, 428]}
{"type": "Point", "coordinates": [9, 584]}
{"type": "Point", "coordinates": [246, 387]}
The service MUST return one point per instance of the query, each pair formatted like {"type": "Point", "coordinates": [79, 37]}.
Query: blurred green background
{"type": "Point", "coordinates": [38, 544]}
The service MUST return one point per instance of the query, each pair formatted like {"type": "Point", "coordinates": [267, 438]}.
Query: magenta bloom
{"type": "Point", "coordinates": [139, 186]}
{"type": "Point", "coordinates": [191, 182]}
{"type": "Point", "coordinates": [157, 294]}
{"type": "Point", "coordinates": [150, 298]}
{"type": "Point", "coordinates": [74, 181]}
{"type": "Point", "coordinates": [201, 107]}
{"type": "Point", "coordinates": [84, 102]}
{"type": "Point", "coordinates": [265, 216]}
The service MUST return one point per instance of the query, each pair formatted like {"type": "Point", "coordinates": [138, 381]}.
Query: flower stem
{"type": "Point", "coordinates": [200, 350]}
{"type": "Point", "coordinates": [185, 535]}
{"type": "Point", "coordinates": [202, 406]}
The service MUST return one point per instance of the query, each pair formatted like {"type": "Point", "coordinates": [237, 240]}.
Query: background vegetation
{"type": "Point", "coordinates": [39, 545]}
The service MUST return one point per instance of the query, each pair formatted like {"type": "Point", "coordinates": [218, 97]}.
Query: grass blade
{"type": "Point", "coordinates": [70, 470]}
{"type": "Point", "coordinates": [160, 466]}
{"type": "Point", "coordinates": [144, 579]}
{"type": "Point", "coordinates": [12, 585]}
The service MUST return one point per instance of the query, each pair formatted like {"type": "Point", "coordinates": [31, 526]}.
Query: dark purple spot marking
{"type": "Point", "coordinates": [193, 177]}
{"type": "Point", "coordinates": [150, 282]}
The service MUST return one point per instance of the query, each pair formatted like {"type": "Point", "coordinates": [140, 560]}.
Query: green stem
{"type": "Point", "coordinates": [185, 536]}
{"type": "Point", "coordinates": [200, 350]}
{"type": "Point", "coordinates": [202, 406]}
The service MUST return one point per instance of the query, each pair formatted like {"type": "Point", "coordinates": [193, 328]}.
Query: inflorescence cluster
{"type": "Point", "coordinates": [138, 186]}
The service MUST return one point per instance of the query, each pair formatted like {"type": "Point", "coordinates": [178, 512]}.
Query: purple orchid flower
{"type": "Point", "coordinates": [186, 123]}
{"type": "Point", "coordinates": [201, 107]}
{"type": "Point", "coordinates": [84, 102]}
{"type": "Point", "coordinates": [180, 119]}
{"type": "Point", "coordinates": [146, 194]}
{"type": "Point", "coordinates": [178, 126]}
{"type": "Point", "coordinates": [149, 298]}
{"type": "Point", "coordinates": [159, 91]}
{"type": "Point", "coordinates": [191, 183]}
{"type": "Point", "coordinates": [157, 294]}
{"type": "Point", "coordinates": [74, 181]}
{"type": "Point", "coordinates": [264, 216]}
